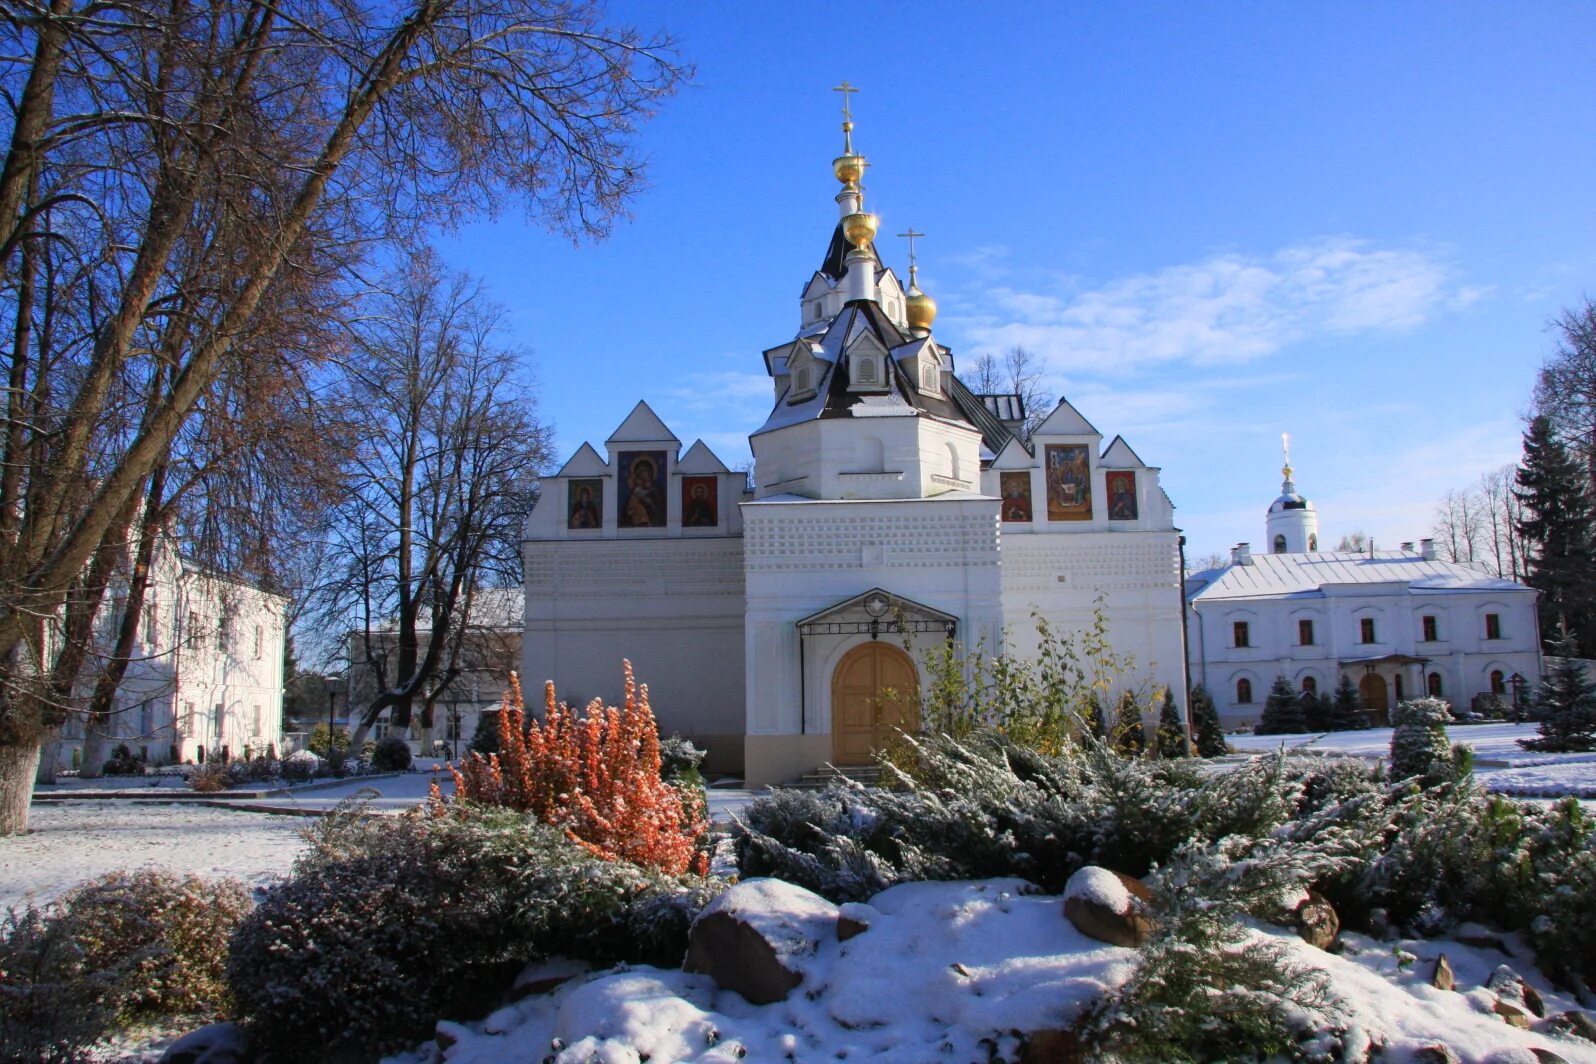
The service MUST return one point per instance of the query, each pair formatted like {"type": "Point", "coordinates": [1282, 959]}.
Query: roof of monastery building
{"type": "Point", "coordinates": [1307, 575]}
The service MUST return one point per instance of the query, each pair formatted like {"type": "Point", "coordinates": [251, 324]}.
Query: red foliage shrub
{"type": "Point", "coordinates": [595, 777]}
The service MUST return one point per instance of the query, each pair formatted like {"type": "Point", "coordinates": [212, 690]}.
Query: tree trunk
{"type": "Point", "coordinates": [51, 753]}
{"type": "Point", "coordinates": [95, 744]}
{"type": "Point", "coordinates": [18, 764]}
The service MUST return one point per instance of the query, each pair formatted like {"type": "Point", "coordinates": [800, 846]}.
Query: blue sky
{"type": "Point", "coordinates": [1214, 223]}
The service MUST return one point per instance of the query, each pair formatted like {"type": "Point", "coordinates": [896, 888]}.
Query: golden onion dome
{"type": "Point", "coordinates": [849, 168]}
{"type": "Point", "coordinates": [920, 310]}
{"type": "Point", "coordinates": [860, 229]}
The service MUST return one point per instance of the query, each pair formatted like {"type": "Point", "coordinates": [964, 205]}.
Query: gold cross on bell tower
{"type": "Point", "coordinates": [911, 233]}
{"type": "Point", "coordinates": [847, 115]}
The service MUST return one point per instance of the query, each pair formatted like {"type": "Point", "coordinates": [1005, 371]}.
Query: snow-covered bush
{"type": "Point", "coordinates": [990, 807]}
{"type": "Point", "coordinates": [122, 948]}
{"type": "Point", "coordinates": [389, 923]}
{"type": "Point", "coordinates": [391, 754]}
{"type": "Point", "coordinates": [210, 778]}
{"type": "Point", "coordinates": [1419, 746]}
{"type": "Point", "coordinates": [123, 762]}
{"type": "Point", "coordinates": [1346, 707]}
{"type": "Point", "coordinates": [300, 765]}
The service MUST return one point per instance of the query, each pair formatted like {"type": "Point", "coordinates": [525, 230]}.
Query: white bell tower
{"type": "Point", "coordinates": [1293, 525]}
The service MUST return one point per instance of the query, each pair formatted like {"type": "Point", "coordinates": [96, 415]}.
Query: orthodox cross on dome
{"type": "Point", "coordinates": [847, 115]}
{"type": "Point", "coordinates": [1285, 445]}
{"type": "Point", "coordinates": [910, 234]}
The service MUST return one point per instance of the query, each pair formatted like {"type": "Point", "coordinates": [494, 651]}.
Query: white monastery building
{"type": "Point", "coordinates": [207, 675]}
{"type": "Point", "coordinates": [785, 626]}
{"type": "Point", "coordinates": [1399, 624]}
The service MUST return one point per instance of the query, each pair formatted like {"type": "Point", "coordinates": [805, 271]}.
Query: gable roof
{"type": "Point", "coordinates": [699, 459]}
{"type": "Point", "coordinates": [1065, 420]}
{"type": "Point", "coordinates": [1119, 455]}
{"type": "Point", "coordinates": [1013, 456]}
{"type": "Point", "coordinates": [586, 462]}
{"type": "Point", "coordinates": [1305, 575]}
{"type": "Point", "coordinates": [642, 425]}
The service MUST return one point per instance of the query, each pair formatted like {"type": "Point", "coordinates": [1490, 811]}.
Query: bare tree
{"type": "Point", "coordinates": [1353, 543]}
{"type": "Point", "coordinates": [174, 166]}
{"type": "Point", "coordinates": [1460, 524]}
{"type": "Point", "coordinates": [442, 478]}
{"type": "Point", "coordinates": [1017, 373]}
{"type": "Point", "coordinates": [1566, 388]}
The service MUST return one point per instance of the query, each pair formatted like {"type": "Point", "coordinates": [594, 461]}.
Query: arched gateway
{"type": "Point", "coordinates": [874, 694]}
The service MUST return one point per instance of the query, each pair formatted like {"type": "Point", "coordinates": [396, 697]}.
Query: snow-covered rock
{"type": "Point", "coordinates": [1317, 921]}
{"type": "Point", "coordinates": [1109, 906]}
{"type": "Point", "coordinates": [756, 937]}
{"type": "Point", "coordinates": [219, 1043]}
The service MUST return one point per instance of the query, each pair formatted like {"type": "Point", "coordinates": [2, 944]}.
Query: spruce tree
{"type": "Point", "coordinates": [1418, 742]}
{"type": "Point", "coordinates": [1315, 711]}
{"type": "Point", "coordinates": [1209, 734]}
{"type": "Point", "coordinates": [1566, 704]}
{"type": "Point", "coordinates": [1282, 714]}
{"type": "Point", "coordinates": [1557, 529]}
{"type": "Point", "coordinates": [1346, 708]}
{"type": "Point", "coordinates": [1129, 737]}
{"type": "Point", "coordinates": [1172, 740]}
{"type": "Point", "coordinates": [485, 740]}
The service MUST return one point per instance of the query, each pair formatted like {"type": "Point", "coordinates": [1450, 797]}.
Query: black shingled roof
{"type": "Point", "coordinates": [835, 265]}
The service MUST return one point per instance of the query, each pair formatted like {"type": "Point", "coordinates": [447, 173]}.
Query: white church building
{"type": "Point", "coordinates": [1399, 624]}
{"type": "Point", "coordinates": [783, 625]}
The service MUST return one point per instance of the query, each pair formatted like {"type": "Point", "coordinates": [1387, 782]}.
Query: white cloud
{"type": "Point", "coordinates": [1227, 309]}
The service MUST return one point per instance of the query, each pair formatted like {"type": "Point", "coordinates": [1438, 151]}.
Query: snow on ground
{"type": "Point", "coordinates": [1500, 764]}
{"type": "Point", "coordinates": [70, 842]}
{"type": "Point", "coordinates": [944, 966]}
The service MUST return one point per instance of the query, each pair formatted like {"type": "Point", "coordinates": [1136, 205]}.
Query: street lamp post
{"type": "Point", "coordinates": [332, 695]}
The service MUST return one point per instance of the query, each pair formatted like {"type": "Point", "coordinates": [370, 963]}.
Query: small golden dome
{"type": "Point", "coordinates": [920, 310]}
{"type": "Point", "coordinates": [860, 229]}
{"type": "Point", "coordinates": [849, 168]}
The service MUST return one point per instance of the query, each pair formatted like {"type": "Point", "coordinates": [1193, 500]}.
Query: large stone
{"type": "Point", "coordinates": [1546, 1056]}
{"type": "Point", "coordinates": [1573, 1023]}
{"type": "Point", "coordinates": [1109, 906]}
{"type": "Point", "coordinates": [1317, 921]}
{"type": "Point", "coordinates": [1508, 985]}
{"type": "Point", "coordinates": [219, 1043]}
{"type": "Point", "coordinates": [853, 919]}
{"type": "Point", "coordinates": [1443, 978]}
{"type": "Point", "coordinates": [1513, 1014]}
{"type": "Point", "coordinates": [1053, 1047]}
{"type": "Point", "coordinates": [755, 938]}
{"type": "Point", "coordinates": [1439, 1053]}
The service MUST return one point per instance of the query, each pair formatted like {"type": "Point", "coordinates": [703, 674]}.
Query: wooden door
{"type": "Point", "coordinates": [874, 693]}
{"type": "Point", "coordinates": [1372, 690]}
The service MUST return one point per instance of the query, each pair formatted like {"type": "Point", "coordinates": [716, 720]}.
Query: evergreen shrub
{"type": "Point", "coordinates": [1566, 706]}
{"type": "Point", "coordinates": [123, 762]}
{"type": "Point", "coordinates": [1346, 707]}
{"type": "Point", "coordinates": [391, 754]}
{"type": "Point", "coordinates": [1172, 738]}
{"type": "Point", "coordinates": [1282, 712]}
{"type": "Point", "coordinates": [1419, 746]}
{"type": "Point", "coordinates": [1209, 735]}
{"type": "Point", "coordinates": [390, 923]}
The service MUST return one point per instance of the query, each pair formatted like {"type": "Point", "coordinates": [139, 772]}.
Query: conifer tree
{"type": "Point", "coordinates": [1129, 737]}
{"type": "Point", "coordinates": [1208, 733]}
{"type": "Point", "coordinates": [485, 740]}
{"type": "Point", "coordinates": [1282, 714]}
{"type": "Point", "coordinates": [1093, 720]}
{"type": "Point", "coordinates": [1566, 704]}
{"type": "Point", "coordinates": [1315, 711]}
{"type": "Point", "coordinates": [1557, 530]}
{"type": "Point", "coordinates": [1346, 708]}
{"type": "Point", "coordinates": [1418, 742]}
{"type": "Point", "coordinates": [1172, 740]}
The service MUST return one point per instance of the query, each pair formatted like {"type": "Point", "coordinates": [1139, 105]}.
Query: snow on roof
{"type": "Point", "coordinates": [1272, 575]}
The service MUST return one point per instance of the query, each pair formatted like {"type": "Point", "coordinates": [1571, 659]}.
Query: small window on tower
{"type": "Point", "coordinates": [1313, 542]}
{"type": "Point", "coordinates": [1280, 544]}
{"type": "Point", "coordinates": [867, 371]}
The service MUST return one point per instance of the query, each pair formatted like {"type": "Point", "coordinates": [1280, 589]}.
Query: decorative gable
{"type": "Point", "coordinates": [586, 462]}
{"type": "Point", "coordinates": [1065, 420]}
{"type": "Point", "coordinates": [867, 364]}
{"type": "Point", "coordinates": [642, 425]}
{"type": "Point", "coordinates": [1014, 456]}
{"type": "Point", "coordinates": [1120, 456]}
{"type": "Point", "coordinates": [700, 461]}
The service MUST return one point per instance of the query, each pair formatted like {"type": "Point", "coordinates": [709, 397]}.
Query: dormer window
{"type": "Point", "coordinates": [801, 387]}
{"type": "Point", "coordinates": [867, 371]}
{"type": "Point", "coordinates": [930, 377]}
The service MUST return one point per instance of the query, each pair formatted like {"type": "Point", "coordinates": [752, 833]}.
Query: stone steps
{"type": "Point", "coordinates": [824, 776]}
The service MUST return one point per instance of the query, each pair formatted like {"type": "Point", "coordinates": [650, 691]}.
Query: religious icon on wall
{"type": "Point", "coordinates": [1069, 482]}
{"type": "Point", "coordinates": [1016, 489]}
{"type": "Point", "coordinates": [584, 506]}
{"type": "Point", "coordinates": [1121, 487]}
{"type": "Point", "coordinates": [641, 489]}
{"type": "Point", "coordinates": [698, 502]}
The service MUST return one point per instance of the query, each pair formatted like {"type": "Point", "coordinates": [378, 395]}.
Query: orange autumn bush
{"type": "Point", "coordinates": [596, 777]}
